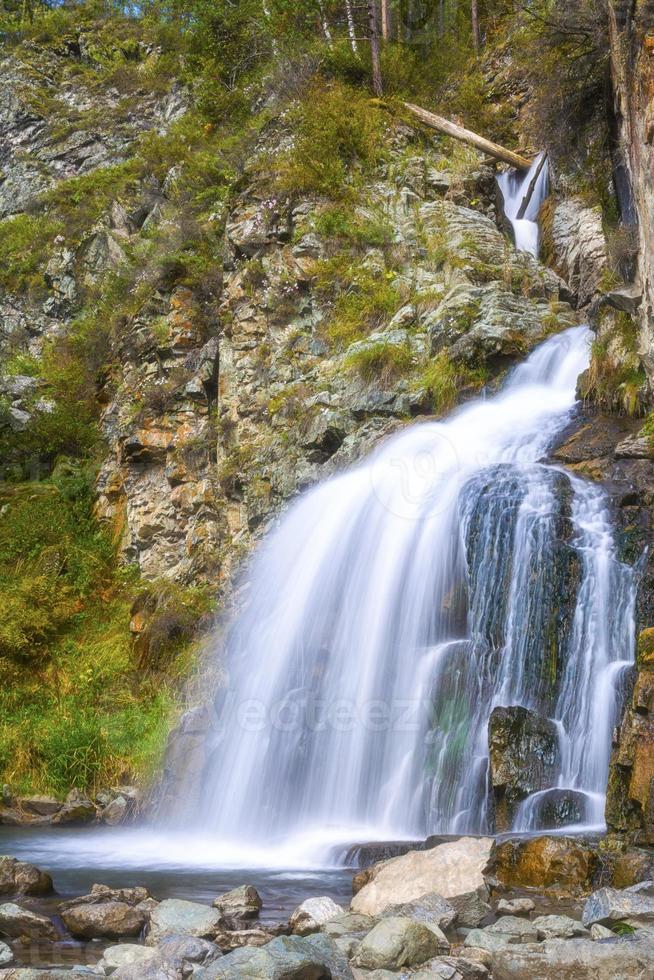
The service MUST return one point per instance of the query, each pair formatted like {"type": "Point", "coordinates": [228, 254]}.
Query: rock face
{"type": "Point", "coordinates": [560, 864]}
{"type": "Point", "coordinates": [19, 878]}
{"type": "Point", "coordinates": [524, 758]}
{"type": "Point", "coordinates": [451, 869]}
{"type": "Point", "coordinates": [573, 239]}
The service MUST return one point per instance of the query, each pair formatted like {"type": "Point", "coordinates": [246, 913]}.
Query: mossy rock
{"type": "Point", "coordinates": [645, 650]}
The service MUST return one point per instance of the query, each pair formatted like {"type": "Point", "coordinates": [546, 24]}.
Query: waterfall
{"type": "Point", "coordinates": [514, 184]}
{"type": "Point", "coordinates": [397, 604]}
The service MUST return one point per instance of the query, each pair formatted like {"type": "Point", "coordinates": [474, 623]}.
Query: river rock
{"type": "Point", "coordinates": [285, 958]}
{"type": "Point", "coordinates": [6, 954]}
{"type": "Point", "coordinates": [40, 806]}
{"type": "Point", "coordinates": [239, 903]}
{"type": "Point", "coordinates": [27, 973]}
{"type": "Point", "coordinates": [600, 932]}
{"type": "Point", "coordinates": [77, 809]}
{"type": "Point", "coordinates": [20, 878]}
{"type": "Point", "coordinates": [562, 865]}
{"type": "Point", "coordinates": [508, 929]}
{"type": "Point", "coordinates": [16, 922]}
{"type": "Point", "coordinates": [176, 917]}
{"type": "Point", "coordinates": [116, 812]}
{"type": "Point", "coordinates": [228, 939]}
{"type": "Point", "coordinates": [609, 905]}
{"type": "Point", "coordinates": [471, 908]}
{"type": "Point", "coordinates": [312, 914]}
{"type": "Point", "coordinates": [111, 920]}
{"type": "Point", "coordinates": [451, 869]}
{"type": "Point", "coordinates": [450, 968]}
{"type": "Point", "coordinates": [348, 925]}
{"type": "Point", "coordinates": [174, 958]}
{"type": "Point", "coordinates": [515, 906]}
{"type": "Point", "coordinates": [430, 909]}
{"type": "Point", "coordinates": [558, 927]}
{"type": "Point", "coordinates": [628, 958]}
{"type": "Point", "coordinates": [125, 954]}
{"type": "Point", "coordinates": [524, 758]}
{"type": "Point", "coordinates": [397, 942]}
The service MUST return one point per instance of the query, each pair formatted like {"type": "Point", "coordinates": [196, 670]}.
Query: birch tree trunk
{"type": "Point", "coordinates": [373, 16]}
{"type": "Point", "coordinates": [350, 26]}
{"type": "Point", "coordinates": [325, 25]}
{"type": "Point", "coordinates": [474, 13]}
{"type": "Point", "coordinates": [386, 25]}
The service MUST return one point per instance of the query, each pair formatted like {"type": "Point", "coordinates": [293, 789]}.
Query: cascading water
{"type": "Point", "coordinates": [397, 604]}
{"type": "Point", "coordinates": [514, 185]}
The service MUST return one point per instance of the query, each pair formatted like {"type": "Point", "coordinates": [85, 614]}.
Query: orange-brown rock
{"type": "Point", "coordinates": [562, 865]}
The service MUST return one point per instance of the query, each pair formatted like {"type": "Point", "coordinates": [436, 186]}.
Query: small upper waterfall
{"type": "Point", "coordinates": [514, 185]}
{"type": "Point", "coordinates": [397, 604]}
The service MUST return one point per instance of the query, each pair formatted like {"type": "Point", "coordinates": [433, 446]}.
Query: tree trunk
{"type": "Point", "coordinates": [386, 25]}
{"type": "Point", "coordinates": [474, 12]}
{"type": "Point", "coordinates": [350, 26]}
{"type": "Point", "coordinates": [373, 16]}
{"type": "Point", "coordinates": [467, 136]}
{"type": "Point", "coordinates": [325, 25]}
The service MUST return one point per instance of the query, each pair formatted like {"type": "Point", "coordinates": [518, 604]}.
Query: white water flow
{"type": "Point", "coordinates": [397, 604]}
{"type": "Point", "coordinates": [514, 185]}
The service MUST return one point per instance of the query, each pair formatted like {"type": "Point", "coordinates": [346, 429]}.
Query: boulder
{"type": "Point", "coordinates": [397, 942]}
{"type": "Point", "coordinates": [471, 908]}
{"type": "Point", "coordinates": [558, 927]}
{"type": "Point", "coordinates": [451, 869]}
{"type": "Point", "coordinates": [574, 242]}
{"type": "Point", "coordinates": [40, 806]}
{"type": "Point", "coordinates": [20, 878]}
{"type": "Point", "coordinates": [600, 932]}
{"type": "Point", "coordinates": [239, 903]}
{"type": "Point", "coordinates": [607, 905]}
{"type": "Point", "coordinates": [125, 954]}
{"type": "Point", "coordinates": [628, 958]}
{"type": "Point", "coordinates": [524, 758]}
{"type": "Point", "coordinates": [312, 914]}
{"type": "Point", "coordinates": [508, 929]}
{"type": "Point", "coordinates": [450, 968]}
{"type": "Point", "coordinates": [6, 954]}
{"type": "Point", "coordinates": [515, 906]}
{"type": "Point", "coordinates": [285, 958]}
{"type": "Point", "coordinates": [116, 812]}
{"type": "Point", "coordinates": [175, 957]}
{"type": "Point", "coordinates": [560, 808]}
{"type": "Point", "coordinates": [430, 909]}
{"type": "Point", "coordinates": [16, 923]}
{"type": "Point", "coordinates": [228, 939]}
{"type": "Point", "coordinates": [105, 912]}
{"type": "Point", "coordinates": [348, 925]}
{"type": "Point", "coordinates": [77, 809]}
{"type": "Point", "coordinates": [176, 917]}
{"type": "Point", "coordinates": [562, 865]}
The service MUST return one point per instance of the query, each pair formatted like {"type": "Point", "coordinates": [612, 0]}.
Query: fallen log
{"type": "Point", "coordinates": [466, 136]}
{"type": "Point", "coordinates": [522, 210]}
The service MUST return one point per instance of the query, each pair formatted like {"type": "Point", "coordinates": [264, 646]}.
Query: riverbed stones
{"type": "Point", "coordinates": [21, 878]}
{"type": "Point", "coordinates": [175, 957]}
{"type": "Point", "coordinates": [312, 914]}
{"type": "Point", "coordinates": [450, 968]}
{"type": "Point", "coordinates": [397, 942]}
{"type": "Point", "coordinates": [515, 906]}
{"type": "Point", "coordinates": [608, 905]}
{"type": "Point", "coordinates": [16, 923]}
{"type": "Point", "coordinates": [286, 958]}
{"type": "Point", "coordinates": [349, 924]}
{"type": "Point", "coordinates": [112, 913]}
{"type": "Point", "coordinates": [626, 958]}
{"type": "Point", "coordinates": [175, 917]}
{"type": "Point", "coordinates": [239, 903]}
{"type": "Point", "coordinates": [450, 869]}
{"type": "Point", "coordinates": [77, 809]}
{"type": "Point", "coordinates": [125, 954]}
{"type": "Point", "coordinates": [508, 929]}
{"type": "Point", "coordinates": [429, 909]}
{"type": "Point", "coordinates": [558, 927]}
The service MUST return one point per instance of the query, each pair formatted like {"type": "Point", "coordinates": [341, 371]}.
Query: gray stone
{"type": "Point", "coordinates": [558, 927]}
{"type": "Point", "coordinates": [600, 932]}
{"type": "Point", "coordinates": [627, 299]}
{"type": "Point", "coordinates": [285, 958]}
{"type": "Point", "coordinates": [21, 878]}
{"type": "Point", "coordinates": [348, 925]}
{"type": "Point", "coordinates": [175, 917]}
{"type": "Point", "coordinates": [515, 906]}
{"type": "Point", "coordinates": [77, 809]}
{"type": "Point", "coordinates": [6, 954]}
{"type": "Point", "coordinates": [471, 908]}
{"type": "Point", "coordinates": [431, 909]}
{"type": "Point", "coordinates": [312, 914]}
{"type": "Point", "coordinates": [609, 905]}
{"type": "Point", "coordinates": [576, 239]}
{"type": "Point", "coordinates": [451, 968]}
{"type": "Point", "coordinates": [16, 922]}
{"type": "Point", "coordinates": [397, 942]}
{"type": "Point", "coordinates": [116, 812]}
{"type": "Point", "coordinates": [125, 954]}
{"type": "Point", "coordinates": [111, 920]}
{"type": "Point", "coordinates": [239, 903]}
{"type": "Point", "coordinates": [628, 958]}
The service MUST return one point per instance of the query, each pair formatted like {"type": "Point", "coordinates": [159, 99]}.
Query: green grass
{"type": "Point", "coordinates": [380, 361]}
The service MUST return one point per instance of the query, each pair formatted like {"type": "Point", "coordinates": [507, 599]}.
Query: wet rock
{"type": "Point", "coordinates": [20, 878]}
{"type": "Point", "coordinates": [27, 973]}
{"type": "Point", "coordinates": [627, 299]}
{"type": "Point", "coordinates": [239, 903]}
{"type": "Point", "coordinates": [16, 922]}
{"type": "Point", "coordinates": [515, 906]}
{"type": "Point", "coordinates": [558, 927]}
{"type": "Point", "coordinates": [77, 809]}
{"type": "Point", "coordinates": [560, 808]}
{"type": "Point", "coordinates": [573, 238]}
{"type": "Point", "coordinates": [631, 905]}
{"type": "Point", "coordinates": [629, 958]}
{"type": "Point", "coordinates": [563, 865]}
{"type": "Point", "coordinates": [176, 917]}
{"type": "Point", "coordinates": [450, 869]}
{"type": "Point", "coordinates": [108, 912]}
{"type": "Point", "coordinates": [397, 942]}
{"type": "Point", "coordinates": [176, 957]}
{"type": "Point", "coordinates": [312, 914]}
{"type": "Point", "coordinates": [285, 958]}
{"type": "Point", "coordinates": [429, 909]}
{"type": "Point", "coordinates": [228, 938]}
{"type": "Point", "coordinates": [524, 758]}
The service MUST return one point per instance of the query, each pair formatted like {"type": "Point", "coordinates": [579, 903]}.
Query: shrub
{"type": "Point", "coordinates": [381, 361]}
{"type": "Point", "coordinates": [25, 242]}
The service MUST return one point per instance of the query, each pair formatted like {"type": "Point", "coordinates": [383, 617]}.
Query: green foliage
{"type": "Point", "coordinates": [361, 299]}
{"type": "Point", "coordinates": [355, 228]}
{"type": "Point", "coordinates": [79, 202]}
{"type": "Point", "coordinates": [615, 379]}
{"type": "Point", "coordinates": [338, 139]}
{"type": "Point", "coordinates": [25, 241]}
{"type": "Point", "coordinates": [443, 379]}
{"type": "Point", "coordinates": [380, 361]}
